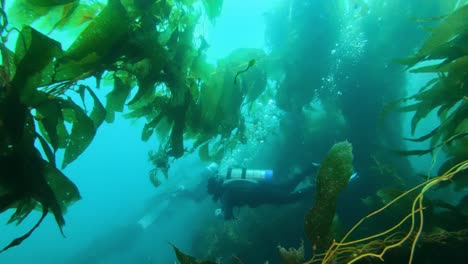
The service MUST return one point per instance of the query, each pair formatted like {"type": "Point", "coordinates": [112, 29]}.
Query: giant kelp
{"type": "Point", "coordinates": [447, 93]}
{"type": "Point", "coordinates": [446, 50]}
{"type": "Point", "coordinates": [42, 99]}
{"type": "Point", "coordinates": [27, 180]}
{"type": "Point", "coordinates": [211, 107]}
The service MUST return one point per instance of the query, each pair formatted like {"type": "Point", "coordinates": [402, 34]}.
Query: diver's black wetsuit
{"type": "Point", "coordinates": [236, 193]}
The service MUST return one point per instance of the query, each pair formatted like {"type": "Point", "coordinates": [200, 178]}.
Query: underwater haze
{"type": "Point", "coordinates": [233, 131]}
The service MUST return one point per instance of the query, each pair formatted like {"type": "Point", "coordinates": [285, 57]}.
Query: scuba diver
{"type": "Point", "coordinates": [243, 187]}
{"type": "Point", "coordinates": [160, 203]}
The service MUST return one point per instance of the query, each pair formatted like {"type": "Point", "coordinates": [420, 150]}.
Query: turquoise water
{"type": "Point", "coordinates": [331, 75]}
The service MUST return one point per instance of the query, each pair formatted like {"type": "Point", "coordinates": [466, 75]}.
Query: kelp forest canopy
{"type": "Point", "coordinates": [147, 46]}
{"type": "Point", "coordinates": [148, 58]}
{"type": "Point", "coordinates": [149, 53]}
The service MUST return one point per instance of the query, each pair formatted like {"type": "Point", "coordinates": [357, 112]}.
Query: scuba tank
{"type": "Point", "coordinates": [242, 182]}
{"type": "Point", "coordinates": [248, 174]}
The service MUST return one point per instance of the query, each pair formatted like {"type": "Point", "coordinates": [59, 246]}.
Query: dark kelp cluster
{"type": "Point", "coordinates": [148, 46]}
{"type": "Point", "coordinates": [428, 224]}
{"type": "Point", "coordinates": [30, 180]}
{"type": "Point", "coordinates": [447, 53]}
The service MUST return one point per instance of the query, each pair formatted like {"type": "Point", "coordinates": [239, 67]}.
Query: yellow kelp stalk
{"type": "Point", "coordinates": [332, 177]}
{"type": "Point", "coordinates": [378, 244]}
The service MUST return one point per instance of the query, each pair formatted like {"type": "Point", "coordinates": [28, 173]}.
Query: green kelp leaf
{"type": "Point", "coordinates": [457, 145]}
{"type": "Point", "coordinates": [23, 179]}
{"type": "Point", "coordinates": [50, 155]}
{"type": "Point", "coordinates": [82, 132]}
{"type": "Point", "coordinates": [417, 152]}
{"type": "Point", "coordinates": [64, 189]}
{"type": "Point", "coordinates": [449, 51]}
{"type": "Point", "coordinates": [423, 138]}
{"type": "Point", "coordinates": [102, 34]}
{"type": "Point", "coordinates": [33, 52]}
{"type": "Point", "coordinates": [148, 129]}
{"type": "Point", "coordinates": [74, 14]}
{"type": "Point", "coordinates": [21, 12]}
{"type": "Point", "coordinates": [141, 111]}
{"type": "Point", "coordinates": [23, 209]}
{"type": "Point", "coordinates": [8, 62]}
{"type": "Point", "coordinates": [117, 97]}
{"type": "Point", "coordinates": [186, 259]}
{"type": "Point", "coordinates": [163, 128]}
{"type": "Point", "coordinates": [63, 135]}
{"type": "Point", "coordinates": [145, 89]}
{"type": "Point", "coordinates": [447, 40]}
{"type": "Point", "coordinates": [213, 9]}
{"type": "Point", "coordinates": [460, 64]}
{"type": "Point", "coordinates": [449, 125]}
{"type": "Point", "coordinates": [147, 132]}
{"type": "Point", "coordinates": [50, 3]}
{"type": "Point", "coordinates": [441, 93]}
{"type": "Point", "coordinates": [450, 27]}
{"type": "Point", "coordinates": [177, 138]}
{"type": "Point", "coordinates": [105, 33]}
{"type": "Point", "coordinates": [81, 92]}
{"type": "Point", "coordinates": [17, 241]}
{"type": "Point", "coordinates": [50, 115]}
{"type": "Point", "coordinates": [446, 144]}
{"type": "Point", "coordinates": [98, 114]}
{"type": "Point", "coordinates": [409, 61]}
{"type": "Point", "coordinates": [221, 99]}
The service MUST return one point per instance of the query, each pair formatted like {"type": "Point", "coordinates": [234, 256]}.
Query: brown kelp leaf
{"type": "Point", "coordinates": [104, 34]}
{"type": "Point", "coordinates": [116, 98]}
{"type": "Point", "coordinates": [149, 128]}
{"type": "Point", "coordinates": [51, 115]}
{"type": "Point", "coordinates": [76, 13]}
{"type": "Point", "coordinates": [453, 66]}
{"type": "Point", "coordinates": [449, 28]}
{"type": "Point", "coordinates": [17, 241]}
{"type": "Point", "coordinates": [64, 189]}
{"type": "Point", "coordinates": [82, 132]}
{"type": "Point", "coordinates": [449, 125]}
{"type": "Point", "coordinates": [98, 114]}
{"type": "Point", "coordinates": [45, 147]}
{"type": "Point", "coordinates": [22, 12]}
{"type": "Point", "coordinates": [423, 138]}
{"type": "Point", "coordinates": [33, 52]}
{"type": "Point", "coordinates": [23, 180]}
